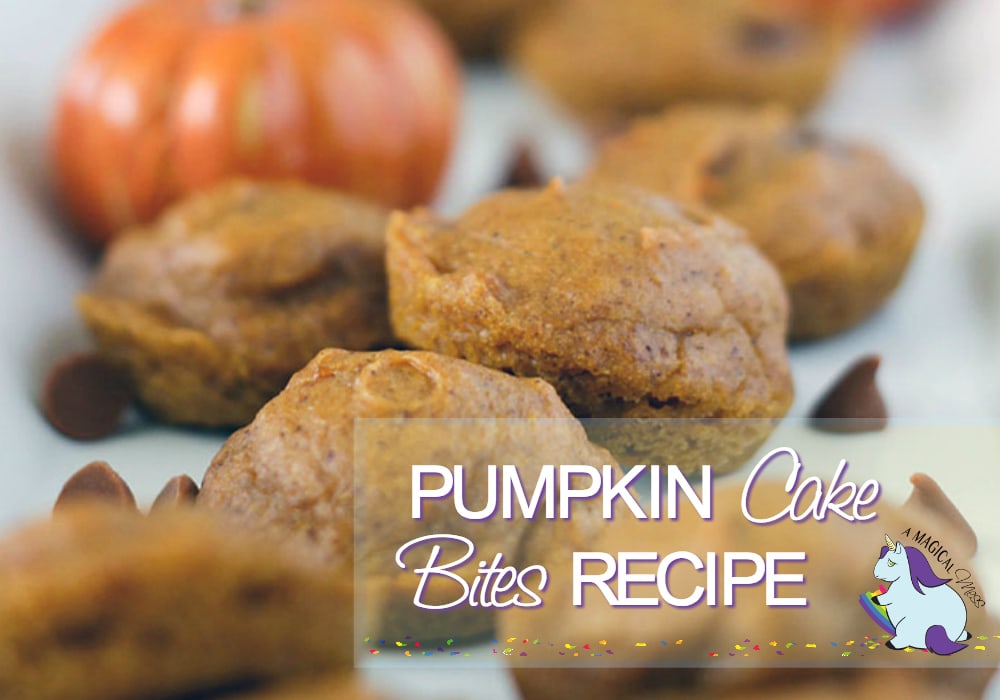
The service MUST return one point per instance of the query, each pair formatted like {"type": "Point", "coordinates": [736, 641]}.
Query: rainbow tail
{"type": "Point", "coordinates": [937, 641]}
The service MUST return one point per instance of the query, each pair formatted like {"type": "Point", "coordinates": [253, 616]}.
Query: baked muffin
{"type": "Point", "coordinates": [295, 470]}
{"type": "Point", "coordinates": [481, 27]}
{"type": "Point", "coordinates": [212, 308]}
{"type": "Point", "coordinates": [838, 569]}
{"type": "Point", "coordinates": [105, 604]}
{"type": "Point", "coordinates": [632, 306]}
{"type": "Point", "coordinates": [609, 60]}
{"type": "Point", "coordinates": [835, 218]}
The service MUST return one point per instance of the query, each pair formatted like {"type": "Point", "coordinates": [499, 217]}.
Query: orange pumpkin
{"type": "Point", "coordinates": [174, 95]}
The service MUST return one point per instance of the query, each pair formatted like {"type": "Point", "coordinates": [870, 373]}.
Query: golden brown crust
{"type": "Point", "coordinates": [836, 219]}
{"type": "Point", "coordinates": [103, 604]}
{"type": "Point", "coordinates": [295, 469]}
{"type": "Point", "coordinates": [630, 305]}
{"type": "Point", "coordinates": [215, 306]}
{"type": "Point", "coordinates": [609, 59]}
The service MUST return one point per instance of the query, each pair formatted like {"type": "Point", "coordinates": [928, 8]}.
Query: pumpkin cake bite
{"type": "Point", "coordinates": [327, 467]}
{"type": "Point", "coordinates": [631, 305]}
{"type": "Point", "coordinates": [610, 60]}
{"type": "Point", "coordinates": [212, 309]}
{"type": "Point", "coordinates": [836, 219]}
{"type": "Point", "coordinates": [99, 603]}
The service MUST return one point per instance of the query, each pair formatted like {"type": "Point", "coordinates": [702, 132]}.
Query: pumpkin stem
{"type": "Point", "coordinates": [250, 7]}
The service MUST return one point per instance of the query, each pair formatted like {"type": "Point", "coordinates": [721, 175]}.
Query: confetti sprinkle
{"type": "Point", "coordinates": [773, 644]}
{"type": "Point", "coordinates": [511, 640]}
{"type": "Point", "coordinates": [373, 651]}
{"type": "Point", "coordinates": [367, 639]}
{"type": "Point", "coordinates": [980, 647]}
{"type": "Point", "coordinates": [845, 653]}
{"type": "Point", "coordinates": [679, 641]}
{"type": "Point", "coordinates": [640, 644]}
{"type": "Point", "coordinates": [569, 646]}
{"type": "Point", "coordinates": [603, 642]}
{"type": "Point", "coordinates": [756, 647]}
{"type": "Point", "coordinates": [508, 651]}
{"type": "Point", "coordinates": [982, 637]}
{"type": "Point", "coordinates": [810, 645]}
{"type": "Point", "coordinates": [400, 644]}
{"type": "Point", "coordinates": [452, 641]}
{"type": "Point", "coordinates": [739, 647]}
{"type": "Point", "coordinates": [407, 652]}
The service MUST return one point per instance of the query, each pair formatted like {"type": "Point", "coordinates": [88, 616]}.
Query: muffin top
{"type": "Point", "coordinates": [610, 293]}
{"type": "Point", "coordinates": [610, 59]}
{"type": "Point", "coordinates": [809, 201]}
{"type": "Point", "coordinates": [355, 423]}
{"type": "Point", "coordinates": [248, 263]}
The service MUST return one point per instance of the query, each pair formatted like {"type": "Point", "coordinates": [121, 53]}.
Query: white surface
{"type": "Point", "coordinates": [929, 95]}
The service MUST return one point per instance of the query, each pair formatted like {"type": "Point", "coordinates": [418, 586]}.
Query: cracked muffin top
{"type": "Point", "coordinates": [628, 303]}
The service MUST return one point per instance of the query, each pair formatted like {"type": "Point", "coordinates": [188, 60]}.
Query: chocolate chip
{"type": "Point", "coordinates": [724, 161]}
{"type": "Point", "coordinates": [85, 396]}
{"type": "Point", "coordinates": [854, 404]}
{"type": "Point", "coordinates": [179, 491]}
{"type": "Point", "coordinates": [96, 482]}
{"type": "Point", "coordinates": [524, 171]}
{"type": "Point", "coordinates": [761, 36]}
{"type": "Point", "coordinates": [928, 495]}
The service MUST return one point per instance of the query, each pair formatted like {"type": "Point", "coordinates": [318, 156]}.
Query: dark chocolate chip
{"type": "Point", "coordinates": [854, 404]}
{"type": "Point", "coordinates": [928, 495]}
{"type": "Point", "coordinates": [85, 396]}
{"type": "Point", "coordinates": [524, 171]}
{"type": "Point", "coordinates": [179, 491]}
{"type": "Point", "coordinates": [760, 36]}
{"type": "Point", "coordinates": [96, 482]}
{"type": "Point", "coordinates": [725, 160]}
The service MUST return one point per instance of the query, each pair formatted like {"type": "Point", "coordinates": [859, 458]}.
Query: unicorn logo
{"type": "Point", "coordinates": [924, 612]}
